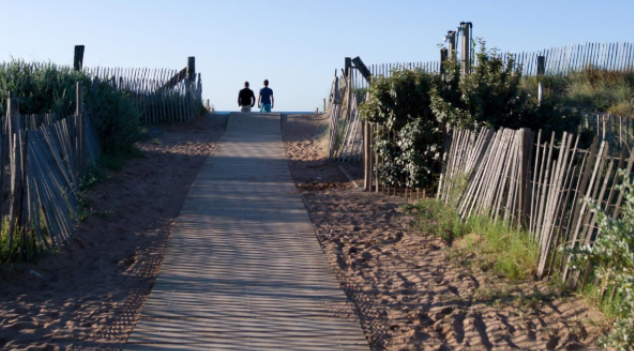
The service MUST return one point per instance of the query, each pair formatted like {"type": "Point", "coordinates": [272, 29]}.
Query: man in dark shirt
{"type": "Point", "coordinates": [266, 100]}
{"type": "Point", "coordinates": [246, 98]}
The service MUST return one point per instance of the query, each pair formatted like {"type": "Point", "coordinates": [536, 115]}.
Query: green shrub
{"type": "Point", "coordinates": [409, 143]}
{"type": "Point", "coordinates": [413, 107]}
{"type": "Point", "coordinates": [115, 118]}
{"type": "Point", "coordinates": [493, 96]}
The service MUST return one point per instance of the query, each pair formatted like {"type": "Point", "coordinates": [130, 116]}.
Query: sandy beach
{"type": "Point", "coordinates": [405, 287]}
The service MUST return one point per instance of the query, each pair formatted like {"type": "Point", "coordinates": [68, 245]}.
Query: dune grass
{"type": "Point", "coordinates": [591, 90]}
{"type": "Point", "coordinates": [480, 241]}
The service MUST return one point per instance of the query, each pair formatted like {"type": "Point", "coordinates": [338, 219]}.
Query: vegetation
{"type": "Point", "coordinates": [410, 140]}
{"type": "Point", "coordinates": [492, 96]}
{"type": "Point", "coordinates": [489, 244]}
{"type": "Point", "coordinates": [612, 255]}
{"type": "Point", "coordinates": [589, 91]}
{"type": "Point", "coordinates": [413, 107]}
{"type": "Point", "coordinates": [49, 88]}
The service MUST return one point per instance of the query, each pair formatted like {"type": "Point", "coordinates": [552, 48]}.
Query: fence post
{"type": "Point", "coordinates": [451, 38]}
{"type": "Point", "coordinates": [348, 65]}
{"type": "Point", "coordinates": [541, 65]}
{"type": "Point", "coordinates": [466, 47]}
{"type": "Point", "coordinates": [189, 82]}
{"type": "Point", "coordinates": [444, 56]}
{"type": "Point", "coordinates": [16, 160]}
{"type": "Point", "coordinates": [78, 61]}
{"type": "Point", "coordinates": [80, 126]}
{"type": "Point", "coordinates": [367, 182]}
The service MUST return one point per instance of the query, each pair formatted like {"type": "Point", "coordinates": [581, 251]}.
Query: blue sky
{"type": "Point", "coordinates": [296, 44]}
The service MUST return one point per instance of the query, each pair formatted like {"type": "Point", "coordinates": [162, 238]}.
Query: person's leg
{"type": "Point", "coordinates": [267, 108]}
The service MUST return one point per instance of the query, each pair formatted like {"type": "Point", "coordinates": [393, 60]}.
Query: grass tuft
{"type": "Point", "coordinates": [492, 245]}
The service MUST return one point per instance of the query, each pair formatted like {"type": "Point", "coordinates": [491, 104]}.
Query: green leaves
{"type": "Point", "coordinates": [408, 143]}
{"type": "Point", "coordinates": [412, 107]}
{"type": "Point", "coordinates": [612, 255]}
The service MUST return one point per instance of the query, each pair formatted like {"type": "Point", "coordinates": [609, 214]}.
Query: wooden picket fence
{"type": "Point", "coordinates": [564, 60]}
{"type": "Point", "coordinates": [385, 70]}
{"type": "Point", "coordinates": [47, 157]}
{"type": "Point", "coordinates": [618, 131]}
{"type": "Point", "coordinates": [617, 57]}
{"type": "Point", "coordinates": [345, 140]}
{"type": "Point", "coordinates": [538, 182]}
{"type": "Point", "coordinates": [161, 95]}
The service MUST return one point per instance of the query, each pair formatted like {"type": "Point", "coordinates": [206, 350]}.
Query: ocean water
{"type": "Point", "coordinates": [284, 112]}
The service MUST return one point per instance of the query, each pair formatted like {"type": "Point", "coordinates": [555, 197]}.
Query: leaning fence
{"type": "Point", "coordinates": [161, 95]}
{"type": "Point", "coordinates": [538, 182]}
{"type": "Point", "coordinates": [47, 156]}
{"type": "Point", "coordinates": [345, 139]}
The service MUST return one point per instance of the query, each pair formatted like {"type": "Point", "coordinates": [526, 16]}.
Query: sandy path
{"type": "Point", "coordinates": [407, 292]}
{"type": "Point", "coordinates": [89, 296]}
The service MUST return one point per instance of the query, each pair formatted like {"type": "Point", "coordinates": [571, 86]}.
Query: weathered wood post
{"type": "Point", "coordinates": [14, 119]}
{"type": "Point", "coordinates": [79, 113]}
{"type": "Point", "coordinates": [189, 82]}
{"type": "Point", "coordinates": [541, 70]}
{"type": "Point", "coordinates": [466, 47]}
{"type": "Point", "coordinates": [78, 61]}
{"type": "Point", "coordinates": [347, 66]}
{"type": "Point", "coordinates": [444, 56]}
{"type": "Point", "coordinates": [368, 157]}
{"type": "Point", "coordinates": [451, 43]}
{"type": "Point", "coordinates": [541, 65]}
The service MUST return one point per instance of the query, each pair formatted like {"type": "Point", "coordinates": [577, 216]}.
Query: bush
{"type": "Point", "coordinates": [413, 107]}
{"type": "Point", "coordinates": [492, 96]}
{"type": "Point", "coordinates": [410, 142]}
{"type": "Point", "coordinates": [115, 118]}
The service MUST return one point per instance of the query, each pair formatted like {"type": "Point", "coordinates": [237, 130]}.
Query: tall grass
{"type": "Point", "coordinates": [590, 90]}
{"type": "Point", "coordinates": [49, 88]}
{"type": "Point", "coordinates": [493, 245]}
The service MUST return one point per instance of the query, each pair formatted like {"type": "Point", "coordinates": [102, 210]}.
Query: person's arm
{"type": "Point", "coordinates": [259, 99]}
{"type": "Point", "coordinates": [252, 99]}
{"type": "Point", "coordinates": [272, 101]}
{"type": "Point", "coordinates": [239, 99]}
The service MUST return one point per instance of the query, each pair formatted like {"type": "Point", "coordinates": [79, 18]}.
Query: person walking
{"type": "Point", "coordinates": [266, 100]}
{"type": "Point", "coordinates": [246, 98]}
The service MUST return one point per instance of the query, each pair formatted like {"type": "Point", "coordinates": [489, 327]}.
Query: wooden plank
{"type": "Point", "coordinates": [243, 269]}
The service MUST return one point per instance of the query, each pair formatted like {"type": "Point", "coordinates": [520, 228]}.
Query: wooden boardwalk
{"type": "Point", "coordinates": [243, 269]}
